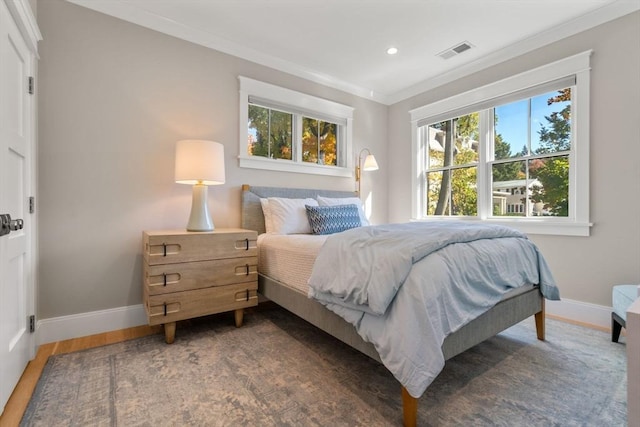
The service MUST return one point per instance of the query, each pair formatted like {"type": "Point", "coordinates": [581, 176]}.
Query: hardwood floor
{"type": "Point", "coordinates": [21, 395]}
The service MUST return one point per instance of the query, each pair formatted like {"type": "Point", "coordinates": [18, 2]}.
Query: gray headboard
{"type": "Point", "coordinates": [252, 217]}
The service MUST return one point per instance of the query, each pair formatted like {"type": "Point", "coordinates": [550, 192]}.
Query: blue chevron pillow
{"type": "Point", "coordinates": [332, 219]}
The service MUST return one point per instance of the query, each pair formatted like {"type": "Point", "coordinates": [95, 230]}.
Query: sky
{"type": "Point", "coordinates": [513, 120]}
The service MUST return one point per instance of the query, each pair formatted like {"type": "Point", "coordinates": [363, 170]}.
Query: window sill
{"type": "Point", "coordinates": [289, 166]}
{"type": "Point", "coordinates": [529, 225]}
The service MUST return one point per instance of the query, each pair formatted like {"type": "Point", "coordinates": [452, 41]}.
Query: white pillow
{"type": "Point", "coordinates": [329, 201]}
{"type": "Point", "coordinates": [267, 215]}
{"type": "Point", "coordinates": [289, 216]}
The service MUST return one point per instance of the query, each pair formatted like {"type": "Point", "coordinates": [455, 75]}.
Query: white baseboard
{"type": "Point", "coordinates": [94, 322]}
{"type": "Point", "coordinates": [584, 312]}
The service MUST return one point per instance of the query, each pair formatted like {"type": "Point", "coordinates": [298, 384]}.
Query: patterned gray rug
{"type": "Point", "coordinates": [277, 370]}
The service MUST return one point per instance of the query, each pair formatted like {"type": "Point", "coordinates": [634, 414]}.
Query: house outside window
{"type": "Point", "coordinates": [285, 130]}
{"type": "Point", "coordinates": [513, 152]}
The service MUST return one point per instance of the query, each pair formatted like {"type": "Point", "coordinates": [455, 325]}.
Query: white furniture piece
{"type": "Point", "coordinates": [191, 274]}
{"type": "Point", "coordinates": [622, 297]}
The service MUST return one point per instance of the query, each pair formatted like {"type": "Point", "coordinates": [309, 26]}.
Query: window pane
{"type": "Point", "coordinates": [258, 140]}
{"type": "Point", "coordinates": [509, 194]}
{"type": "Point", "coordinates": [281, 132]}
{"type": "Point", "coordinates": [464, 192]}
{"type": "Point", "coordinates": [453, 142]}
{"type": "Point", "coordinates": [550, 186]}
{"type": "Point", "coordinates": [511, 130]}
{"type": "Point", "coordinates": [551, 122]}
{"type": "Point", "coordinates": [435, 135]}
{"type": "Point", "coordinates": [319, 142]}
{"type": "Point", "coordinates": [269, 133]}
{"type": "Point", "coordinates": [453, 192]}
{"type": "Point", "coordinates": [437, 201]}
{"type": "Point", "coordinates": [467, 134]}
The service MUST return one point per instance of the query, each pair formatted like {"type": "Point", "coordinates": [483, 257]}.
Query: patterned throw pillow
{"type": "Point", "coordinates": [332, 219]}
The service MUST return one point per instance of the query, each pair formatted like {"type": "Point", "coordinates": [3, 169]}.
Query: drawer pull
{"type": "Point", "coordinates": [247, 242]}
{"type": "Point", "coordinates": [164, 249]}
{"type": "Point", "coordinates": [247, 265]}
{"type": "Point", "coordinates": [164, 277]}
{"type": "Point", "coordinates": [165, 308]}
{"type": "Point", "coordinates": [247, 294]}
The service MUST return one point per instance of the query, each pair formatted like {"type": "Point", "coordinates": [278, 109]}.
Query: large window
{"type": "Point", "coordinates": [284, 130]}
{"type": "Point", "coordinates": [514, 152]}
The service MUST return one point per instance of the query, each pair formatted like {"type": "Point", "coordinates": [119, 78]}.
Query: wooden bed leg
{"type": "Point", "coordinates": [540, 322]}
{"type": "Point", "coordinates": [409, 409]}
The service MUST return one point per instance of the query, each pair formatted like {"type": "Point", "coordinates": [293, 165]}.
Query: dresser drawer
{"type": "Point", "coordinates": [176, 306]}
{"type": "Point", "coordinates": [181, 246]}
{"type": "Point", "coordinates": [166, 278]}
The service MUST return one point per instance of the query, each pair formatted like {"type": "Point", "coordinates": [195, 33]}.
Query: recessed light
{"type": "Point", "coordinates": [392, 50]}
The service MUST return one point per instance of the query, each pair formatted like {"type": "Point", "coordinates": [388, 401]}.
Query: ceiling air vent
{"type": "Point", "coordinates": [455, 50]}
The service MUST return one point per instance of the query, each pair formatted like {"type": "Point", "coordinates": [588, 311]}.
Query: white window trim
{"type": "Point", "coordinates": [298, 101]}
{"type": "Point", "coordinates": [578, 223]}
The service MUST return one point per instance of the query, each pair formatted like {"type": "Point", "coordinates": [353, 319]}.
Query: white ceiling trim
{"type": "Point", "coordinates": [159, 23]}
{"type": "Point", "coordinates": [26, 21]}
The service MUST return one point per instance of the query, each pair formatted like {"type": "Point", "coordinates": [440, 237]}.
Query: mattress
{"type": "Point", "coordinates": [289, 258]}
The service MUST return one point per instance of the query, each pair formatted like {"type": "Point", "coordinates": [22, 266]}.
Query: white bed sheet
{"type": "Point", "coordinates": [289, 258]}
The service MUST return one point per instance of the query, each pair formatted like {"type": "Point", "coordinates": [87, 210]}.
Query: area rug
{"type": "Point", "coordinates": [278, 370]}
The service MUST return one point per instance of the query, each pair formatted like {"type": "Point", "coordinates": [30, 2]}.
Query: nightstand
{"type": "Point", "coordinates": [190, 274]}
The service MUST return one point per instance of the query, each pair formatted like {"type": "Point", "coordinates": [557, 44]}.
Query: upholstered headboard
{"type": "Point", "coordinates": [252, 217]}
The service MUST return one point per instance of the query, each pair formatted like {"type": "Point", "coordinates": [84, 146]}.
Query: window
{"type": "Point", "coordinates": [290, 131]}
{"type": "Point", "coordinates": [513, 152]}
{"type": "Point", "coordinates": [452, 166]}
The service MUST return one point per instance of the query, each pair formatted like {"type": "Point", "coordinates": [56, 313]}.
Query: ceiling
{"type": "Point", "coordinates": [343, 43]}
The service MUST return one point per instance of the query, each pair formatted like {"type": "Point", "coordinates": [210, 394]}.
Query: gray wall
{"type": "Point", "coordinates": [113, 100]}
{"type": "Point", "coordinates": [585, 267]}
{"type": "Point", "coordinates": [115, 97]}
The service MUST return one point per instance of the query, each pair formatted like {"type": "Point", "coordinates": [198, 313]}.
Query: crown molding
{"type": "Point", "coordinates": [26, 22]}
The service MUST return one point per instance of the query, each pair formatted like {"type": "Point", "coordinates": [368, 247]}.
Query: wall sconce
{"type": "Point", "coordinates": [370, 164]}
{"type": "Point", "coordinates": [199, 163]}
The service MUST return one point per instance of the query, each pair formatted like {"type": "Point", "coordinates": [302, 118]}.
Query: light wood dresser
{"type": "Point", "coordinates": [190, 274]}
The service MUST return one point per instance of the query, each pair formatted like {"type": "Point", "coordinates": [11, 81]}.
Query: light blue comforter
{"type": "Point", "coordinates": [405, 287]}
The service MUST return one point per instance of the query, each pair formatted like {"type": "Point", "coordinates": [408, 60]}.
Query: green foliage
{"type": "Point", "coordinates": [505, 171]}
{"type": "Point", "coordinates": [273, 131]}
{"type": "Point", "coordinates": [319, 142]}
{"type": "Point", "coordinates": [464, 194]}
{"type": "Point", "coordinates": [553, 173]}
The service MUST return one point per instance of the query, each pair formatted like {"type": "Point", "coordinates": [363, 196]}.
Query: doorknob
{"type": "Point", "coordinates": [16, 224]}
{"type": "Point", "coordinates": [7, 225]}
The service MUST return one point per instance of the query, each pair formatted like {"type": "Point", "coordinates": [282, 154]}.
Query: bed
{"type": "Point", "coordinates": [515, 306]}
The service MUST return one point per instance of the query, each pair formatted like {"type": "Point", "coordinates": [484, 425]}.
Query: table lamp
{"type": "Point", "coordinates": [199, 163]}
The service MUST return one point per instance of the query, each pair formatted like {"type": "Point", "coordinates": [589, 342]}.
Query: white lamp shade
{"type": "Point", "coordinates": [199, 162]}
{"type": "Point", "coordinates": [370, 163]}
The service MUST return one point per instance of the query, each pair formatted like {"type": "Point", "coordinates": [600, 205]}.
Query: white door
{"type": "Point", "coordinates": [16, 145]}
